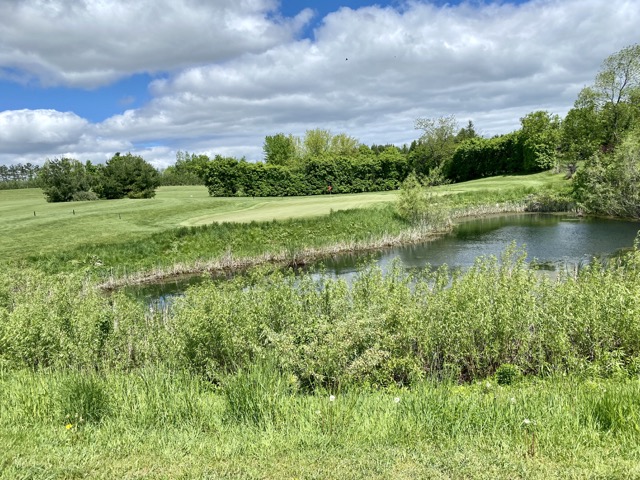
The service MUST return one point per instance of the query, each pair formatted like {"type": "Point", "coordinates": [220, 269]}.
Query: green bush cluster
{"type": "Point", "coordinates": [65, 180]}
{"type": "Point", "coordinates": [226, 177]}
{"type": "Point", "coordinates": [485, 157]}
{"type": "Point", "coordinates": [382, 329]}
{"type": "Point", "coordinates": [65, 322]}
{"type": "Point", "coordinates": [397, 329]}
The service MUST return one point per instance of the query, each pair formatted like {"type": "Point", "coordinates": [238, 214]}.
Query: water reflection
{"type": "Point", "coordinates": [552, 242]}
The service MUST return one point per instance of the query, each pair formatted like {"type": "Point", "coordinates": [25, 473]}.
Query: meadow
{"type": "Point", "coordinates": [491, 373]}
{"type": "Point", "coordinates": [183, 230]}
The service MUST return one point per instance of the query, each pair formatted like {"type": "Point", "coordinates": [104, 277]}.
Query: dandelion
{"type": "Point", "coordinates": [332, 398]}
{"type": "Point", "coordinates": [396, 400]}
{"type": "Point", "coordinates": [69, 426]}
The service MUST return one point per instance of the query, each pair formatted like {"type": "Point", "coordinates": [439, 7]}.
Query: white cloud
{"type": "Point", "coordinates": [88, 43]}
{"type": "Point", "coordinates": [25, 130]}
{"type": "Point", "coordinates": [491, 63]}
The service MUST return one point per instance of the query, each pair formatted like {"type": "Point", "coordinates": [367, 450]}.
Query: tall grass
{"type": "Point", "coordinates": [165, 424]}
{"type": "Point", "coordinates": [383, 329]}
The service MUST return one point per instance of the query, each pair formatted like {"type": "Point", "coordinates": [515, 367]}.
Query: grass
{"type": "Point", "coordinates": [185, 225]}
{"type": "Point", "coordinates": [163, 425]}
{"type": "Point", "coordinates": [102, 387]}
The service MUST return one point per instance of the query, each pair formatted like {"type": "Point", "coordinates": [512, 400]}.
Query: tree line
{"type": "Point", "coordinates": [18, 175]}
{"type": "Point", "coordinates": [597, 141]}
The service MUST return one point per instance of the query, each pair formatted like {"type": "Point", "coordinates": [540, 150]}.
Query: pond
{"type": "Point", "coordinates": [552, 241]}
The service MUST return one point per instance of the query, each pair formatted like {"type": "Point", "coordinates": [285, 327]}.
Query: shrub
{"type": "Point", "coordinates": [128, 176]}
{"type": "Point", "coordinates": [85, 196]}
{"type": "Point", "coordinates": [507, 374]}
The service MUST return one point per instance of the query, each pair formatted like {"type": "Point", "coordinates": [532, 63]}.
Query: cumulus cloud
{"type": "Point", "coordinates": [372, 71]}
{"type": "Point", "coordinates": [368, 72]}
{"type": "Point", "coordinates": [23, 131]}
{"type": "Point", "coordinates": [88, 43]}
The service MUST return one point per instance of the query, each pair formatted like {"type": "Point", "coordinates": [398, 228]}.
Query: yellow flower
{"type": "Point", "coordinates": [69, 426]}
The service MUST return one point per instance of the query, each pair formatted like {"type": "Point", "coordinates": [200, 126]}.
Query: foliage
{"type": "Point", "coordinates": [608, 184]}
{"type": "Point", "coordinates": [19, 175]}
{"type": "Point", "coordinates": [85, 196]}
{"type": "Point", "coordinates": [436, 144]}
{"type": "Point", "coordinates": [604, 112]}
{"type": "Point", "coordinates": [485, 157]}
{"type": "Point", "coordinates": [188, 170]}
{"type": "Point", "coordinates": [507, 374]}
{"type": "Point", "coordinates": [413, 202]}
{"type": "Point", "coordinates": [62, 178]}
{"type": "Point", "coordinates": [279, 149]}
{"type": "Point", "coordinates": [381, 329]}
{"type": "Point", "coordinates": [232, 177]}
{"type": "Point", "coordinates": [617, 85]}
{"type": "Point", "coordinates": [540, 137]}
{"type": "Point", "coordinates": [551, 201]}
{"type": "Point", "coordinates": [127, 176]}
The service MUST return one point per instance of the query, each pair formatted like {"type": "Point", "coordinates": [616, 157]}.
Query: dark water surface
{"type": "Point", "coordinates": [551, 241]}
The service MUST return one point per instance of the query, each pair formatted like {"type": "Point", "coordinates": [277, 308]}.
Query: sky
{"type": "Point", "coordinates": [87, 78]}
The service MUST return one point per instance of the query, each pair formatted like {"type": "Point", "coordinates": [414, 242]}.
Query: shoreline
{"type": "Point", "coordinates": [230, 264]}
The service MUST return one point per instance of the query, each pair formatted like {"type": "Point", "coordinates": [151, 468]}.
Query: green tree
{"type": "Point", "coordinates": [316, 143]}
{"type": "Point", "coordinates": [415, 205]}
{"type": "Point", "coordinates": [435, 147]}
{"type": "Point", "coordinates": [582, 133]}
{"type": "Point", "coordinates": [344, 145]}
{"type": "Point", "coordinates": [128, 176]}
{"type": "Point", "coordinates": [63, 178]}
{"type": "Point", "coordinates": [617, 86]}
{"type": "Point", "coordinates": [610, 184]}
{"type": "Point", "coordinates": [466, 133]}
{"type": "Point", "coordinates": [279, 149]}
{"type": "Point", "coordinates": [540, 137]}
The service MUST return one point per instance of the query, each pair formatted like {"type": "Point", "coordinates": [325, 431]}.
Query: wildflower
{"type": "Point", "coordinates": [526, 422]}
{"type": "Point", "coordinates": [332, 398]}
{"type": "Point", "coordinates": [513, 400]}
{"type": "Point", "coordinates": [488, 385]}
{"type": "Point", "coordinates": [396, 400]}
{"type": "Point", "coordinates": [69, 426]}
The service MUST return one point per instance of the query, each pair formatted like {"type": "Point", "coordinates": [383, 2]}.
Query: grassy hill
{"type": "Point", "coordinates": [31, 226]}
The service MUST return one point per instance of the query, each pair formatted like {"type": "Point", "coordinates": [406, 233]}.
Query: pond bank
{"type": "Point", "coordinates": [228, 263]}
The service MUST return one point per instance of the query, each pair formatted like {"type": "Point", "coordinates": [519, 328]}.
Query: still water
{"type": "Point", "coordinates": [551, 241]}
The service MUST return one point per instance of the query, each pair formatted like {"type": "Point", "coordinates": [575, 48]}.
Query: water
{"type": "Point", "coordinates": [552, 241]}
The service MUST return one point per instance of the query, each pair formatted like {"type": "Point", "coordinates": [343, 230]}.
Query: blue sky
{"type": "Point", "coordinates": [87, 78]}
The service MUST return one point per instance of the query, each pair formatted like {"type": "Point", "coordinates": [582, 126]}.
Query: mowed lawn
{"type": "Point", "coordinates": [31, 226]}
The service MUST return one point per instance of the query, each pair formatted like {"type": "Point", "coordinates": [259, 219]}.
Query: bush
{"type": "Point", "coordinates": [85, 196]}
{"type": "Point", "coordinates": [62, 179]}
{"type": "Point", "coordinates": [127, 176]}
{"type": "Point", "coordinates": [507, 374]}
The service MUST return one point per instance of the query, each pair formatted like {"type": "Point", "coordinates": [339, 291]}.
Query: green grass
{"type": "Point", "coordinates": [103, 387]}
{"type": "Point", "coordinates": [142, 234]}
{"type": "Point", "coordinates": [163, 425]}
{"type": "Point", "coordinates": [55, 225]}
